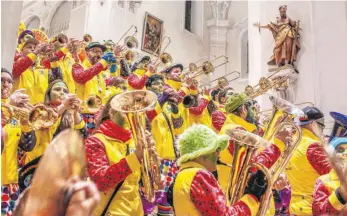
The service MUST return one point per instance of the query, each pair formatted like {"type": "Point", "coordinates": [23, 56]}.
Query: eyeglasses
{"type": "Point", "coordinates": [321, 125]}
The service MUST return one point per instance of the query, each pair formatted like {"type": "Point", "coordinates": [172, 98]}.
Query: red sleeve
{"type": "Point", "coordinates": [59, 54]}
{"type": "Point", "coordinates": [200, 108]}
{"type": "Point", "coordinates": [46, 63]}
{"type": "Point", "coordinates": [268, 156]}
{"type": "Point", "coordinates": [137, 83]}
{"type": "Point", "coordinates": [82, 76]}
{"type": "Point", "coordinates": [151, 114]}
{"type": "Point", "coordinates": [20, 65]}
{"type": "Point", "coordinates": [321, 204]}
{"type": "Point", "coordinates": [218, 119]}
{"type": "Point", "coordinates": [316, 156]}
{"type": "Point", "coordinates": [104, 175]}
{"type": "Point", "coordinates": [209, 199]}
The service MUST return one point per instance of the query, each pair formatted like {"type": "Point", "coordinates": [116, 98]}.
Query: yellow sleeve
{"type": "Point", "coordinates": [133, 162]}
{"type": "Point", "coordinates": [334, 201]}
{"type": "Point", "coordinates": [32, 57]}
{"type": "Point", "coordinates": [80, 125]}
{"type": "Point", "coordinates": [252, 204]}
{"type": "Point", "coordinates": [103, 62]}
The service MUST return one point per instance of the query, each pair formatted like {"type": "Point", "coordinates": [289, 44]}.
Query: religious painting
{"type": "Point", "coordinates": [152, 34]}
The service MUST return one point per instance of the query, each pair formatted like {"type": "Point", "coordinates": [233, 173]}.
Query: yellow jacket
{"type": "Point", "coordinates": [163, 131]}
{"type": "Point", "coordinates": [9, 167]}
{"type": "Point", "coordinates": [305, 166]}
{"type": "Point", "coordinates": [196, 191]}
{"type": "Point", "coordinates": [127, 201]}
{"type": "Point", "coordinates": [88, 87]}
{"type": "Point", "coordinates": [65, 64]}
{"type": "Point", "coordinates": [44, 137]}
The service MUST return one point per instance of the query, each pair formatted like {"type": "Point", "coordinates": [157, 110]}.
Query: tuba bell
{"type": "Point", "coordinates": [340, 125]}
{"type": "Point", "coordinates": [135, 104]}
{"type": "Point", "coordinates": [282, 118]}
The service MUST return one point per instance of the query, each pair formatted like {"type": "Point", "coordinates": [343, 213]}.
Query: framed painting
{"type": "Point", "coordinates": [152, 34]}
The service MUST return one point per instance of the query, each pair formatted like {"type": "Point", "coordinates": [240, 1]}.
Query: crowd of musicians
{"type": "Point", "coordinates": [197, 136]}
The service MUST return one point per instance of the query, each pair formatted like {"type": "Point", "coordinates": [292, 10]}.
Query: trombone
{"type": "Point", "coordinates": [131, 43]}
{"type": "Point", "coordinates": [192, 67]}
{"type": "Point", "coordinates": [208, 68]}
{"type": "Point", "coordinates": [265, 84]}
{"type": "Point", "coordinates": [228, 81]}
{"type": "Point", "coordinates": [164, 57]}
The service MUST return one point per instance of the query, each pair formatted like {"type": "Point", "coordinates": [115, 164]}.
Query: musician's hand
{"type": "Point", "coordinates": [118, 50]}
{"type": "Point", "coordinates": [116, 81]}
{"type": "Point", "coordinates": [68, 100]}
{"type": "Point", "coordinates": [40, 48]}
{"type": "Point", "coordinates": [188, 80]}
{"type": "Point", "coordinates": [285, 134]}
{"type": "Point", "coordinates": [281, 182]}
{"type": "Point", "coordinates": [151, 68]}
{"type": "Point", "coordinates": [169, 91]}
{"type": "Point", "coordinates": [18, 98]}
{"type": "Point", "coordinates": [84, 198]}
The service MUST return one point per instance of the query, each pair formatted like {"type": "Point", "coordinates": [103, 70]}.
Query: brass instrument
{"type": "Point", "coordinates": [265, 84]}
{"type": "Point", "coordinates": [135, 104]}
{"type": "Point", "coordinates": [340, 125]}
{"type": "Point", "coordinates": [38, 116]}
{"type": "Point", "coordinates": [164, 57]}
{"type": "Point", "coordinates": [130, 43]}
{"type": "Point", "coordinates": [282, 118]}
{"type": "Point", "coordinates": [93, 103]}
{"type": "Point", "coordinates": [208, 68]}
{"type": "Point", "coordinates": [224, 77]}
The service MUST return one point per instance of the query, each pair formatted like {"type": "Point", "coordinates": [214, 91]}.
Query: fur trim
{"type": "Point", "coordinates": [199, 140]}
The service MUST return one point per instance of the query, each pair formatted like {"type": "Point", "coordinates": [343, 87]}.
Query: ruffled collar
{"type": "Point", "coordinates": [110, 129]}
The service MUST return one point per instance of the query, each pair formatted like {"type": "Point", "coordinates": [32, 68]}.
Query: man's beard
{"type": "Point", "coordinates": [284, 16]}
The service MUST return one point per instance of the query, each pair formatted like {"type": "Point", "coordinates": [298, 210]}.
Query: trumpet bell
{"type": "Point", "coordinates": [192, 67]}
{"type": "Point", "coordinates": [93, 103]}
{"type": "Point", "coordinates": [134, 101]}
{"type": "Point", "coordinates": [166, 58]}
{"type": "Point", "coordinates": [131, 42]}
{"type": "Point", "coordinates": [207, 67]}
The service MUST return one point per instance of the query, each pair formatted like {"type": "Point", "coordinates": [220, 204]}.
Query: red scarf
{"type": "Point", "coordinates": [110, 129]}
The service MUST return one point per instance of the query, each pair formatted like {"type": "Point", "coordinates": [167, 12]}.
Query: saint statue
{"type": "Point", "coordinates": [286, 34]}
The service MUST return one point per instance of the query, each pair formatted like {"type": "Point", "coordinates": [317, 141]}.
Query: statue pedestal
{"type": "Point", "coordinates": [286, 89]}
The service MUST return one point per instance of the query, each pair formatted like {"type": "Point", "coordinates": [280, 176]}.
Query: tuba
{"type": "Point", "coordinates": [38, 116]}
{"type": "Point", "coordinates": [135, 104]}
{"type": "Point", "coordinates": [340, 125]}
{"type": "Point", "coordinates": [283, 116]}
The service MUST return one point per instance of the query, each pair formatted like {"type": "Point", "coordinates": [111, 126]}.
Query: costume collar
{"type": "Point", "coordinates": [308, 133]}
{"type": "Point", "coordinates": [239, 121]}
{"type": "Point", "coordinates": [191, 164]}
{"type": "Point", "coordinates": [110, 129]}
{"type": "Point", "coordinates": [174, 84]}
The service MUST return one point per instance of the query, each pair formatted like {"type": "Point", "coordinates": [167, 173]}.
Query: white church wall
{"type": "Point", "coordinates": [109, 21]}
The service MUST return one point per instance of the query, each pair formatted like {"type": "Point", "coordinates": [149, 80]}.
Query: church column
{"type": "Point", "coordinates": [10, 18]}
{"type": "Point", "coordinates": [218, 28]}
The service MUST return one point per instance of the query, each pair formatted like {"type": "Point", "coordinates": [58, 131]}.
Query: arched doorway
{"type": "Point", "coordinates": [61, 19]}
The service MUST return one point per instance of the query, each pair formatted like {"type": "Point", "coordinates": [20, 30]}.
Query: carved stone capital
{"type": "Point", "coordinates": [220, 9]}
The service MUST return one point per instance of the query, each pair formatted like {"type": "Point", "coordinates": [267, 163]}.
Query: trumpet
{"type": "Point", "coordinates": [93, 103]}
{"type": "Point", "coordinates": [38, 116]}
{"type": "Point", "coordinates": [164, 57]}
{"type": "Point", "coordinates": [208, 68]}
{"type": "Point", "coordinates": [131, 43]}
{"type": "Point", "coordinates": [283, 115]}
{"type": "Point", "coordinates": [135, 104]}
{"type": "Point", "coordinates": [265, 84]}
